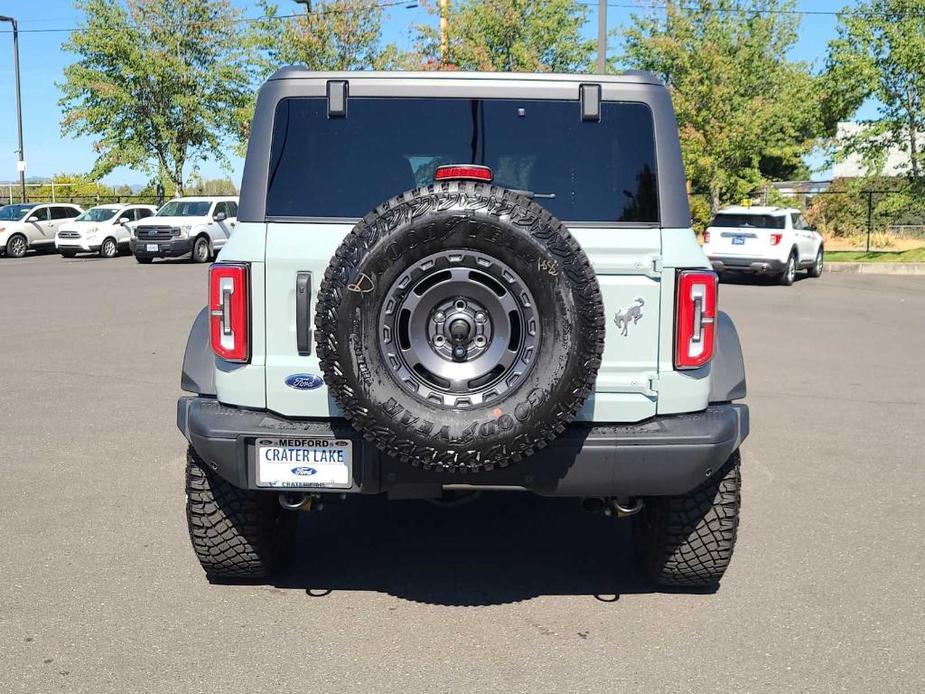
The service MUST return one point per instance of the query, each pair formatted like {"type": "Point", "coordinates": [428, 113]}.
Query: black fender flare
{"type": "Point", "coordinates": [727, 373]}
{"type": "Point", "coordinates": [198, 375]}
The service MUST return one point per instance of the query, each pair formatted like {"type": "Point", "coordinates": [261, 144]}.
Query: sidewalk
{"type": "Point", "coordinates": [877, 268]}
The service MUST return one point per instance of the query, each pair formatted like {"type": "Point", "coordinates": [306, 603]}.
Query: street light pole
{"type": "Point", "coordinates": [22, 157]}
{"type": "Point", "coordinates": [602, 36]}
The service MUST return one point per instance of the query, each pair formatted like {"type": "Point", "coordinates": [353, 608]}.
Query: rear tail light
{"type": "Point", "coordinates": [229, 311]}
{"type": "Point", "coordinates": [775, 239]}
{"type": "Point", "coordinates": [695, 319]}
{"type": "Point", "coordinates": [706, 237]}
{"type": "Point", "coordinates": [464, 172]}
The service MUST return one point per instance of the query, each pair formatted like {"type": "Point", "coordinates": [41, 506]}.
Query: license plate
{"type": "Point", "coordinates": [151, 248]}
{"type": "Point", "coordinates": [738, 240]}
{"type": "Point", "coordinates": [316, 463]}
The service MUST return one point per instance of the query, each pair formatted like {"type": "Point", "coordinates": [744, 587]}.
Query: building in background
{"type": "Point", "coordinates": [896, 163]}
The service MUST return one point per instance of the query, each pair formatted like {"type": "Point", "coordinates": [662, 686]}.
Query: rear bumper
{"type": "Point", "coordinates": [661, 456]}
{"type": "Point", "coordinates": [171, 248]}
{"type": "Point", "coordinates": [758, 265]}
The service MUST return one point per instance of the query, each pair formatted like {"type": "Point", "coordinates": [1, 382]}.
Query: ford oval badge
{"type": "Point", "coordinates": [304, 381]}
{"type": "Point", "coordinates": [306, 471]}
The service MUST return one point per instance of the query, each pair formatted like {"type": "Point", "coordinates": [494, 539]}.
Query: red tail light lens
{"type": "Point", "coordinates": [775, 239]}
{"type": "Point", "coordinates": [229, 311]}
{"type": "Point", "coordinates": [695, 319]}
{"type": "Point", "coordinates": [463, 172]}
{"type": "Point", "coordinates": [706, 237]}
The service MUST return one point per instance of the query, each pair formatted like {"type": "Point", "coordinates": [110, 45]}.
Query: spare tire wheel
{"type": "Point", "coordinates": [460, 327]}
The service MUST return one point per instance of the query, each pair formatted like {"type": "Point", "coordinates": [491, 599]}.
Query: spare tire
{"type": "Point", "coordinates": [460, 327]}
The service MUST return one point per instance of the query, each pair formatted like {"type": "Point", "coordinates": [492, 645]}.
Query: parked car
{"type": "Point", "coordinates": [774, 241]}
{"type": "Point", "coordinates": [32, 225]}
{"type": "Point", "coordinates": [197, 227]}
{"type": "Point", "coordinates": [104, 229]}
{"type": "Point", "coordinates": [464, 338]}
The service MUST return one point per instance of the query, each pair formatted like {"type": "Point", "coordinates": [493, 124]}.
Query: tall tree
{"type": "Point", "coordinates": [335, 35]}
{"type": "Point", "coordinates": [510, 36]}
{"type": "Point", "coordinates": [880, 48]}
{"type": "Point", "coordinates": [745, 111]}
{"type": "Point", "coordinates": [158, 84]}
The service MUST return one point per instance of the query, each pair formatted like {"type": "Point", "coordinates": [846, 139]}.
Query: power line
{"type": "Point", "coordinates": [328, 10]}
{"type": "Point", "coordinates": [661, 7]}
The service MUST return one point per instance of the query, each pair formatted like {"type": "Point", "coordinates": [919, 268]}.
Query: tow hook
{"type": "Point", "coordinates": [612, 506]}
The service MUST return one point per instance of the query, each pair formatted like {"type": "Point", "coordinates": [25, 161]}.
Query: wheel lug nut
{"type": "Point", "coordinates": [479, 317]}
{"type": "Point", "coordinates": [438, 317]}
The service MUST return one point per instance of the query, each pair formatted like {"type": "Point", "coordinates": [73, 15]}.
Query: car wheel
{"type": "Point", "coordinates": [816, 269]}
{"type": "Point", "coordinates": [16, 246]}
{"type": "Point", "coordinates": [236, 533]}
{"type": "Point", "coordinates": [790, 271]}
{"type": "Point", "coordinates": [109, 249]}
{"type": "Point", "coordinates": [201, 250]}
{"type": "Point", "coordinates": [688, 540]}
{"type": "Point", "coordinates": [480, 324]}
{"type": "Point", "coordinates": [144, 261]}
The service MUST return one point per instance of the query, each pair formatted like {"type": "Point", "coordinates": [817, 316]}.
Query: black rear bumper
{"type": "Point", "coordinates": [757, 265]}
{"type": "Point", "coordinates": [665, 455]}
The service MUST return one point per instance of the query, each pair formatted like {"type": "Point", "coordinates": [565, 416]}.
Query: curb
{"type": "Point", "coordinates": [877, 268]}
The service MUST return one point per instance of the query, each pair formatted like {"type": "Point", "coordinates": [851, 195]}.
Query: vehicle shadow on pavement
{"type": "Point", "coordinates": [499, 548]}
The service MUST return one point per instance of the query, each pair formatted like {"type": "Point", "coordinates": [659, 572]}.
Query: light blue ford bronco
{"type": "Point", "coordinates": [443, 284]}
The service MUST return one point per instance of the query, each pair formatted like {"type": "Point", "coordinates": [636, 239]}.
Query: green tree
{"type": "Point", "coordinates": [510, 36]}
{"type": "Point", "coordinates": [335, 35]}
{"type": "Point", "coordinates": [158, 84]}
{"type": "Point", "coordinates": [744, 110]}
{"type": "Point", "coordinates": [880, 51]}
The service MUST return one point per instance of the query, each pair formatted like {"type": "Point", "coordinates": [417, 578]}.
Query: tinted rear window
{"type": "Point", "coordinates": [761, 221]}
{"type": "Point", "coordinates": [345, 167]}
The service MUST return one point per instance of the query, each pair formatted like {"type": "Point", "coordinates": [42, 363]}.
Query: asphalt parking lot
{"type": "Point", "coordinates": [100, 592]}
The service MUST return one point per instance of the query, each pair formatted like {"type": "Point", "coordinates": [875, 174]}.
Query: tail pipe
{"type": "Point", "coordinates": [612, 506]}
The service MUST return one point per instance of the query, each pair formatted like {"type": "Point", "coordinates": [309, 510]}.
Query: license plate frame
{"type": "Point", "coordinates": [315, 462]}
{"type": "Point", "coordinates": [151, 247]}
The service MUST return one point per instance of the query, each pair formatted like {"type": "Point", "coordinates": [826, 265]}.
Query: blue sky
{"type": "Point", "coordinates": [42, 60]}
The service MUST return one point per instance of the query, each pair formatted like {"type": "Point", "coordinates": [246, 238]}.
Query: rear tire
{"type": "Point", "coordinates": [236, 533]}
{"type": "Point", "coordinates": [16, 246]}
{"type": "Point", "coordinates": [688, 540]}
{"type": "Point", "coordinates": [790, 271]}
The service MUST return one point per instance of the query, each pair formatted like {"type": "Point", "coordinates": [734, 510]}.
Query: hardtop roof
{"type": "Point", "coordinates": [292, 72]}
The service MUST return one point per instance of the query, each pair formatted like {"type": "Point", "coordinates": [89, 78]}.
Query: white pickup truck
{"type": "Point", "coordinates": [195, 227]}
{"type": "Point", "coordinates": [775, 241]}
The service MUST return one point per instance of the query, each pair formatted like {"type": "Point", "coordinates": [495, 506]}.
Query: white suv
{"type": "Point", "coordinates": [32, 225]}
{"type": "Point", "coordinates": [193, 226]}
{"type": "Point", "coordinates": [766, 240]}
{"type": "Point", "coordinates": [103, 229]}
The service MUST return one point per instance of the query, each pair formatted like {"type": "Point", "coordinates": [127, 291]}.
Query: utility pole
{"type": "Point", "coordinates": [601, 36]}
{"type": "Point", "coordinates": [444, 33]}
{"type": "Point", "coordinates": [21, 162]}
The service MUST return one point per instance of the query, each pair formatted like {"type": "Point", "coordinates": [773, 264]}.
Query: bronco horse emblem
{"type": "Point", "coordinates": [631, 314]}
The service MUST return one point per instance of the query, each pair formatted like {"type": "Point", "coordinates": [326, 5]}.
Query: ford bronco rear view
{"type": "Point", "coordinates": [446, 283]}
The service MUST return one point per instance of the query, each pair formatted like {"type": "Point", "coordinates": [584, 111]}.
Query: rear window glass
{"type": "Point", "coordinates": [760, 221]}
{"type": "Point", "coordinates": [579, 171]}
